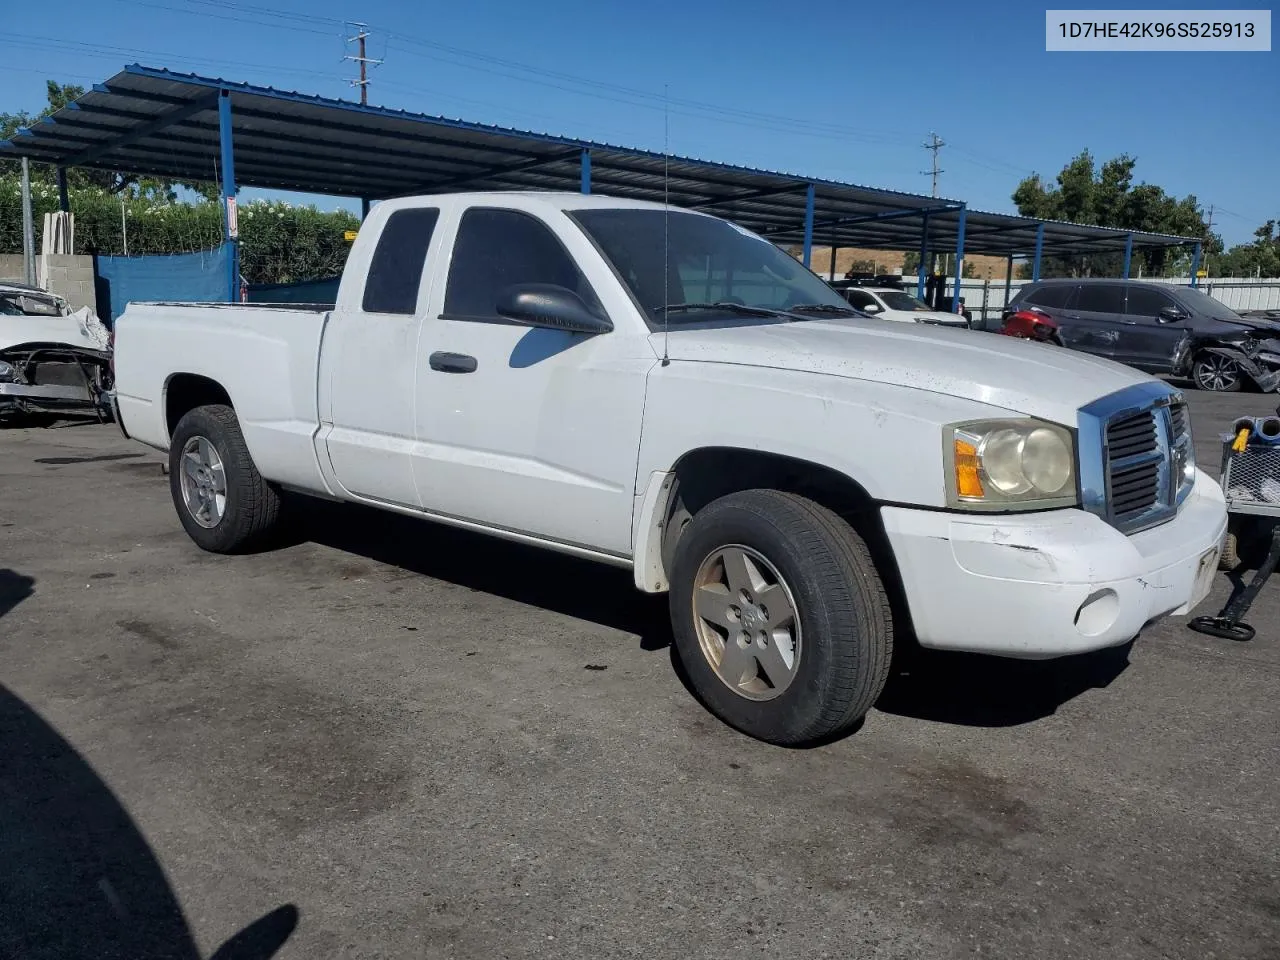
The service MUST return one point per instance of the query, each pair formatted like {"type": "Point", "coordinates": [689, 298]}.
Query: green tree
{"type": "Point", "coordinates": [1260, 257]}
{"type": "Point", "coordinates": [1108, 197]}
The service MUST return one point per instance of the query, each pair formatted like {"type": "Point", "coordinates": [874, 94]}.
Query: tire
{"type": "Point", "coordinates": [248, 509]}
{"type": "Point", "coordinates": [1229, 559]}
{"type": "Point", "coordinates": [1216, 374]}
{"type": "Point", "coordinates": [840, 638]}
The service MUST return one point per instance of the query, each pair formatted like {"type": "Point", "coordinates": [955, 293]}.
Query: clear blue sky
{"type": "Point", "coordinates": [825, 89]}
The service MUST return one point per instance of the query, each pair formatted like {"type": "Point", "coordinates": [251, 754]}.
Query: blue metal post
{"type": "Point", "coordinates": [1195, 266]}
{"type": "Point", "coordinates": [924, 258]}
{"type": "Point", "coordinates": [1035, 264]}
{"type": "Point", "coordinates": [230, 233]}
{"type": "Point", "coordinates": [1128, 254]}
{"type": "Point", "coordinates": [586, 170]}
{"type": "Point", "coordinates": [364, 209]}
{"type": "Point", "coordinates": [955, 299]}
{"type": "Point", "coordinates": [808, 223]}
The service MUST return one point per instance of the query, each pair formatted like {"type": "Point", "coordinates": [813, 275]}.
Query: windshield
{"type": "Point", "coordinates": [709, 263]}
{"type": "Point", "coordinates": [897, 300]}
{"type": "Point", "coordinates": [1204, 304]}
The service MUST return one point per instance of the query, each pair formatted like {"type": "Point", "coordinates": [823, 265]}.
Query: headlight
{"type": "Point", "coordinates": [1010, 464]}
{"type": "Point", "coordinates": [7, 373]}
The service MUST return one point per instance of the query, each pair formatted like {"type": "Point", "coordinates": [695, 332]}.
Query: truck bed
{"type": "Point", "coordinates": [264, 356]}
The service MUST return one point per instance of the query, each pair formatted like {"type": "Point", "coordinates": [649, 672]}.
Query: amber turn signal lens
{"type": "Point", "coordinates": [968, 482]}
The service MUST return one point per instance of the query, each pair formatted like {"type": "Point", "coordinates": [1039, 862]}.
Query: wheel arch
{"type": "Point", "coordinates": [183, 392]}
{"type": "Point", "coordinates": [704, 474]}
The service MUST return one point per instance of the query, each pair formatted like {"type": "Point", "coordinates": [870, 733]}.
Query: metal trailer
{"type": "Point", "coordinates": [1251, 482]}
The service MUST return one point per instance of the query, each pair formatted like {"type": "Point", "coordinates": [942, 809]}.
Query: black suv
{"type": "Point", "coordinates": [1159, 328]}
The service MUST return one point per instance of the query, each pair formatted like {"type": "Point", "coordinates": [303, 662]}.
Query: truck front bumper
{"type": "Point", "coordinates": [1049, 584]}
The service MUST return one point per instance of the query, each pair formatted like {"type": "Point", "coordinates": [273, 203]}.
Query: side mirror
{"type": "Point", "coordinates": [551, 306]}
{"type": "Point", "coordinates": [1171, 315]}
{"type": "Point", "coordinates": [871, 308]}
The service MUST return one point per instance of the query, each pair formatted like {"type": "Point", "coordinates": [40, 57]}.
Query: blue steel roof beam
{"type": "Point", "coordinates": [254, 114]}
{"type": "Point", "coordinates": [168, 119]}
{"type": "Point", "coordinates": [753, 195]}
{"type": "Point", "coordinates": [462, 180]}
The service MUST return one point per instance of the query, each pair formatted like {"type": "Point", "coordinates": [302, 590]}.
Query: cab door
{"type": "Point", "coordinates": [530, 430]}
{"type": "Point", "coordinates": [369, 369]}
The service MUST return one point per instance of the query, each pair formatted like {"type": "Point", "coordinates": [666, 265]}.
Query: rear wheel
{"type": "Point", "coordinates": [223, 502]}
{"type": "Point", "coordinates": [1217, 374]}
{"type": "Point", "coordinates": [779, 616]}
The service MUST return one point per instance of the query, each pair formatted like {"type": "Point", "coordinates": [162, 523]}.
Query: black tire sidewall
{"type": "Point", "coordinates": [793, 716]}
{"type": "Point", "coordinates": [227, 534]}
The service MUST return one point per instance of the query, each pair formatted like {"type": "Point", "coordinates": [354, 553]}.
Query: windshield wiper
{"type": "Point", "coordinates": [726, 306]}
{"type": "Point", "coordinates": [824, 308]}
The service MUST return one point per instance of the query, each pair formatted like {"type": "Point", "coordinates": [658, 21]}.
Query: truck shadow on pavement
{"type": "Point", "coordinates": [963, 689]}
{"type": "Point", "coordinates": [581, 589]}
{"type": "Point", "coordinates": [974, 690]}
{"type": "Point", "coordinates": [78, 880]}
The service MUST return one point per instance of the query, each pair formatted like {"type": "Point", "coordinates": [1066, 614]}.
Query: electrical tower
{"type": "Point", "coordinates": [363, 83]}
{"type": "Point", "coordinates": [934, 143]}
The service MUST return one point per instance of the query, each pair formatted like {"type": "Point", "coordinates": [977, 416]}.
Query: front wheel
{"type": "Point", "coordinates": [780, 618]}
{"type": "Point", "coordinates": [1217, 374]}
{"type": "Point", "coordinates": [222, 500]}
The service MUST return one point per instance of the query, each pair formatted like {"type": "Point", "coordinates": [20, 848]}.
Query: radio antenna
{"type": "Point", "coordinates": [666, 216]}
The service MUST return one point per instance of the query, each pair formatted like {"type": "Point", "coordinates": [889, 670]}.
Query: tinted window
{"type": "Point", "coordinates": [401, 255]}
{"type": "Point", "coordinates": [897, 300]}
{"type": "Point", "coordinates": [1101, 298]}
{"type": "Point", "coordinates": [1055, 295]}
{"type": "Point", "coordinates": [497, 249]}
{"type": "Point", "coordinates": [1145, 302]}
{"type": "Point", "coordinates": [861, 299]}
{"type": "Point", "coordinates": [1205, 305]}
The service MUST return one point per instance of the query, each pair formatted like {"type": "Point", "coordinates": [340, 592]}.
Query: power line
{"type": "Point", "coordinates": [934, 143]}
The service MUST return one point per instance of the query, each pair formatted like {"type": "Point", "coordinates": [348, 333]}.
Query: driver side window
{"type": "Point", "coordinates": [496, 249]}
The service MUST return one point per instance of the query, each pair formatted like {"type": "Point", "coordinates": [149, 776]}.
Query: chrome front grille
{"type": "Point", "coordinates": [1136, 460]}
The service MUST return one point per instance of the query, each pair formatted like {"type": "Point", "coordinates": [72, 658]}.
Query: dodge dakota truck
{"type": "Point", "coordinates": [665, 391]}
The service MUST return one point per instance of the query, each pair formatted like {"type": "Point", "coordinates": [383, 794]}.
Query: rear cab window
{"type": "Point", "coordinates": [497, 248]}
{"type": "Point", "coordinates": [395, 272]}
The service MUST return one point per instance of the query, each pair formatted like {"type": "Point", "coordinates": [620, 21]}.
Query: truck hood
{"type": "Point", "coordinates": [1034, 379]}
{"type": "Point", "coordinates": [79, 329]}
{"type": "Point", "coordinates": [922, 316]}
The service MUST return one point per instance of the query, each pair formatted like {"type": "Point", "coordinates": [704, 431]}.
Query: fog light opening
{"type": "Point", "coordinates": [1098, 613]}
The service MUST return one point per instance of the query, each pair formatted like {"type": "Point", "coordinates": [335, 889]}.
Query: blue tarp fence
{"type": "Point", "coordinates": [308, 291]}
{"type": "Point", "coordinates": [200, 277]}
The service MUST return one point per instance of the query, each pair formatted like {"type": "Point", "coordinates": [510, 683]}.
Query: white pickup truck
{"type": "Point", "coordinates": [662, 390]}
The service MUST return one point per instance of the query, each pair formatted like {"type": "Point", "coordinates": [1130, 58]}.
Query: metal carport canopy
{"type": "Point", "coordinates": [156, 122]}
{"type": "Point", "coordinates": [159, 123]}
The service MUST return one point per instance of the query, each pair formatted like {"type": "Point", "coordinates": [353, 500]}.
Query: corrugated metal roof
{"type": "Point", "coordinates": [160, 123]}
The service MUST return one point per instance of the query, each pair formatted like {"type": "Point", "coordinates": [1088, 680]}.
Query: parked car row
{"type": "Point", "coordinates": [1157, 328]}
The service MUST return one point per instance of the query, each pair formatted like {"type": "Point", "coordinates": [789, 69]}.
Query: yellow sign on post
{"type": "Point", "coordinates": [1202, 273]}
{"type": "Point", "coordinates": [349, 235]}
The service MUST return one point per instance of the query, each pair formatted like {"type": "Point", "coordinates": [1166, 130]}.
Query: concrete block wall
{"type": "Point", "coordinates": [68, 275]}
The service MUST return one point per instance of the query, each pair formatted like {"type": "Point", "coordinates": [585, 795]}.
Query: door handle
{"type": "Point", "coordinates": [452, 362]}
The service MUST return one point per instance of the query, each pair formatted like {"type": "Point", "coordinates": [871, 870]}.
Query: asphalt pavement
{"type": "Point", "coordinates": [389, 739]}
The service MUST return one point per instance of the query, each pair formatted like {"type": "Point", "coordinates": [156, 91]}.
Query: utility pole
{"type": "Point", "coordinates": [1208, 232]}
{"type": "Point", "coordinates": [363, 83]}
{"type": "Point", "coordinates": [934, 143]}
{"type": "Point", "coordinates": [28, 227]}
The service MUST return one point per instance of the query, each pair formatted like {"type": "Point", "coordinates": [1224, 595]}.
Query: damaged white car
{"type": "Point", "coordinates": [52, 359]}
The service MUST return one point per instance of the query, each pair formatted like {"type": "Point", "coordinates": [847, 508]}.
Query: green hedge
{"type": "Point", "coordinates": [280, 243]}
